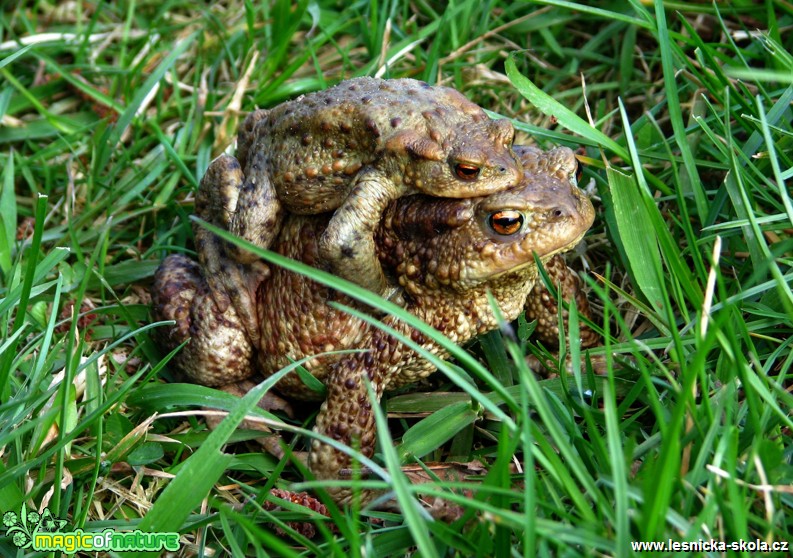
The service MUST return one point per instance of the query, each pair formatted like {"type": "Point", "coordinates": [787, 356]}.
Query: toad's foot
{"type": "Point", "coordinates": [271, 442]}
{"type": "Point", "coordinates": [218, 349]}
{"type": "Point", "coordinates": [347, 244]}
{"type": "Point", "coordinates": [541, 305]}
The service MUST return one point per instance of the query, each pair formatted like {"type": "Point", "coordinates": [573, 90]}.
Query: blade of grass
{"type": "Point", "coordinates": [618, 472]}
{"type": "Point", "coordinates": [110, 139]}
{"type": "Point", "coordinates": [24, 297]}
{"type": "Point", "coordinates": [8, 216]}
{"type": "Point", "coordinates": [414, 515]}
{"type": "Point", "coordinates": [548, 105]}
{"type": "Point", "coordinates": [201, 470]}
{"type": "Point", "coordinates": [692, 184]}
{"type": "Point", "coordinates": [638, 237]}
{"type": "Point", "coordinates": [433, 431]}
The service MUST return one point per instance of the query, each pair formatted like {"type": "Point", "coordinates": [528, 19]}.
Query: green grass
{"type": "Point", "coordinates": [113, 111]}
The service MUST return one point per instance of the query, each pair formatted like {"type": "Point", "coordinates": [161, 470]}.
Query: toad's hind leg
{"type": "Point", "coordinates": [347, 244]}
{"type": "Point", "coordinates": [233, 275]}
{"type": "Point", "coordinates": [257, 214]}
{"type": "Point", "coordinates": [218, 351]}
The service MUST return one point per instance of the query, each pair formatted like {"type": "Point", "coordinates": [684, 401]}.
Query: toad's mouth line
{"type": "Point", "coordinates": [562, 249]}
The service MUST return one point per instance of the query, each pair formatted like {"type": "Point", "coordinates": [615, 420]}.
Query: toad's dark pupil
{"type": "Point", "coordinates": [506, 222]}
{"type": "Point", "coordinates": [466, 171]}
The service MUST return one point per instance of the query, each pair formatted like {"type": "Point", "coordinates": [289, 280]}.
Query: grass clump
{"type": "Point", "coordinates": [111, 112]}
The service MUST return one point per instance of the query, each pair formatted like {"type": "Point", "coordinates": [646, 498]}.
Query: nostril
{"type": "Point", "coordinates": [557, 213]}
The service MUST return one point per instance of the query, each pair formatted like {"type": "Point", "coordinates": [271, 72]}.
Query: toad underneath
{"type": "Point", "coordinates": [445, 254]}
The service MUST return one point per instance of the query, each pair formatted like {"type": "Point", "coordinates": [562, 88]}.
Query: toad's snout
{"type": "Point", "coordinates": [572, 206]}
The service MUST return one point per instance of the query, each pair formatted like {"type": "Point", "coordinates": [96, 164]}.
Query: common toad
{"type": "Point", "coordinates": [446, 255]}
{"type": "Point", "coordinates": [354, 148]}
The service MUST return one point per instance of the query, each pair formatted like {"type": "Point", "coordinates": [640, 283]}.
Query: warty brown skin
{"type": "Point", "coordinates": [354, 148]}
{"type": "Point", "coordinates": [445, 254]}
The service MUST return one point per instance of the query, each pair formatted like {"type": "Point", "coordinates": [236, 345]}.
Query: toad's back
{"type": "Point", "coordinates": [313, 147]}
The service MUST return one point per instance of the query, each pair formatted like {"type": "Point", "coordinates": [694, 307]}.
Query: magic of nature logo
{"type": "Point", "coordinates": [47, 533]}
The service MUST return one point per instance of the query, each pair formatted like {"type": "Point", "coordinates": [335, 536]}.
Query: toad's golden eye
{"type": "Point", "coordinates": [466, 171]}
{"type": "Point", "coordinates": [506, 222]}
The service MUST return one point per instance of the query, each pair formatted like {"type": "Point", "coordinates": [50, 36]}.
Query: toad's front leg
{"type": "Point", "coordinates": [347, 244]}
{"type": "Point", "coordinates": [543, 307]}
{"type": "Point", "coordinates": [347, 415]}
